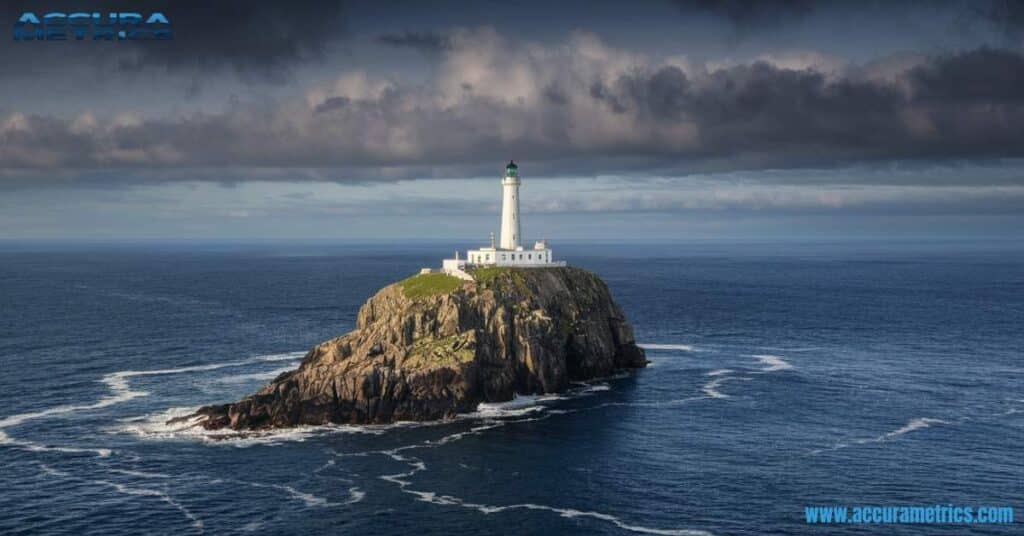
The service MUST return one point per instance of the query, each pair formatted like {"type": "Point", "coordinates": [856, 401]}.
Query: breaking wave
{"type": "Point", "coordinates": [520, 405]}
{"type": "Point", "coordinates": [158, 426]}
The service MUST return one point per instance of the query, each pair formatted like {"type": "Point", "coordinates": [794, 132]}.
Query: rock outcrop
{"type": "Point", "coordinates": [433, 346]}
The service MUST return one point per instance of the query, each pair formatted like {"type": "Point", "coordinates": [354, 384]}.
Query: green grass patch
{"type": "Point", "coordinates": [424, 285]}
{"type": "Point", "coordinates": [489, 274]}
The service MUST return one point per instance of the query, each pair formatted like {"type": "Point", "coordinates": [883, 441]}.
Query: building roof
{"type": "Point", "coordinates": [511, 165]}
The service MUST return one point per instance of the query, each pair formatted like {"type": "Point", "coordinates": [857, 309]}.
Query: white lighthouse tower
{"type": "Point", "coordinates": [509, 252]}
{"type": "Point", "coordinates": [510, 207]}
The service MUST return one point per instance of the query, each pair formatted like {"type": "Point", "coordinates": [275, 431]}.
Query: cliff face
{"type": "Point", "coordinates": [433, 346]}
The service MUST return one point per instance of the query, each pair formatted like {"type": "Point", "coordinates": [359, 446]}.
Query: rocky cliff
{"type": "Point", "coordinates": [432, 346]}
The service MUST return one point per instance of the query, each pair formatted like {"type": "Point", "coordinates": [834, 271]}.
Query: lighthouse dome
{"type": "Point", "coordinates": [511, 170]}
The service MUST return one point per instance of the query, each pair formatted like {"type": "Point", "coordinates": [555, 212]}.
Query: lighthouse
{"type": "Point", "coordinates": [509, 252]}
{"type": "Point", "coordinates": [510, 207]}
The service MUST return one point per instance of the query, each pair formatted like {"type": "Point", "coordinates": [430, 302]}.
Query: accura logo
{"type": "Point", "coordinates": [93, 26]}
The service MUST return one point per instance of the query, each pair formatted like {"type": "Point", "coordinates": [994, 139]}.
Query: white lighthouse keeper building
{"type": "Point", "coordinates": [510, 253]}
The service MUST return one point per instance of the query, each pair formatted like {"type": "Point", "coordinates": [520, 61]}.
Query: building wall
{"type": "Point", "coordinates": [525, 257]}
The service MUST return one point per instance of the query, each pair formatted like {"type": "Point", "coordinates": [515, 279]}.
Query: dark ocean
{"type": "Point", "coordinates": [782, 375]}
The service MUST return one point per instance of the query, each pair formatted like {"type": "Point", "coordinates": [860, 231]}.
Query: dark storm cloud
{"type": "Point", "coordinates": [1006, 15]}
{"type": "Point", "coordinates": [966, 105]}
{"type": "Point", "coordinates": [985, 74]}
{"type": "Point", "coordinates": [262, 39]}
{"type": "Point", "coordinates": [573, 110]}
{"type": "Point", "coordinates": [333, 103]}
{"type": "Point", "coordinates": [749, 13]}
{"type": "Point", "coordinates": [251, 37]}
{"type": "Point", "coordinates": [427, 42]}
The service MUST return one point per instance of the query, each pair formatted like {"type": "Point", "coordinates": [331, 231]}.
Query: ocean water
{"type": "Point", "coordinates": [782, 375]}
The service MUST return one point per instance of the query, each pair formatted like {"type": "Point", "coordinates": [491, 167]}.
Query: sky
{"type": "Point", "coordinates": [650, 120]}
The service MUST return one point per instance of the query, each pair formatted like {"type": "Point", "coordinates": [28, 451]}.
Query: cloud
{"type": "Point", "coordinates": [1006, 15]}
{"type": "Point", "coordinates": [427, 42]}
{"type": "Point", "coordinates": [719, 197]}
{"type": "Point", "coordinates": [580, 107]}
{"type": "Point", "coordinates": [254, 39]}
{"type": "Point", "coordinates": [746, 17]}
{"type": "Point", "coordinates": [749, 14]}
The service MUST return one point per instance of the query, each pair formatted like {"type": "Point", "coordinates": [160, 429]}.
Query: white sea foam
{"type": "Point", "coordinates": [252, 526]}
{"type": "Point", "coordinates": [36, 447]}
{"type": "Point", "coordinates": [402, 480]}
{"type": "Point", "coordinates": [139, 474]}
{"type": "Point", "coordinates": [719, 372]}
{"type": "Point", "coordinates": [51, 471]}
{"type": "Point", "coordinates": [911, 426]}
{"type": "Point", "coordinates": [355, 495]}
{"type": "Point", "coordinates": [791, 349]}
{"type": "Point", "coordinates": [120, 392]}
{"type": "Point", "coordinates": [520, 405]}
{"type": "Point", "coordinates": [118, 381]}
{"type": "Point", "coordinates": [308, 499]}
{"type": "Point", "coordinates": [773, 363]}
{"type": "Point", "coordinates": [711, 388]}
{"type": "Point", "coordinates": [573, 513]}
{"type": "Point", "coordinates": [288, 356]}
{"type": "Point", "coordinates": [21, 418]}
{"type": "Point", "coordinates": [256, 376]}
{"type": "Point", "coordinates": [158, 426]}
{"type": "Point", "coordinates": [669, 347]}
{"type": "Point", "coordinates": [158, 494]}
{"type": "Point", "coordinates": [914, 424]}
{"type": "Point", "coordinates": [417, 466]}
{"type": "Point", "coordinates": [127, 490]}
{"type": "Point", "coordinates": [476, 430]}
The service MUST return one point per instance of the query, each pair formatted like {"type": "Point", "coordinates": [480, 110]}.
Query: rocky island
{"type": "Point", "coordinates": [433, 345]}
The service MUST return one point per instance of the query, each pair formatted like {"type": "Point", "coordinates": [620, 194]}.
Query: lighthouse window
{"type": "Point", "coordinates": [529, 256]}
